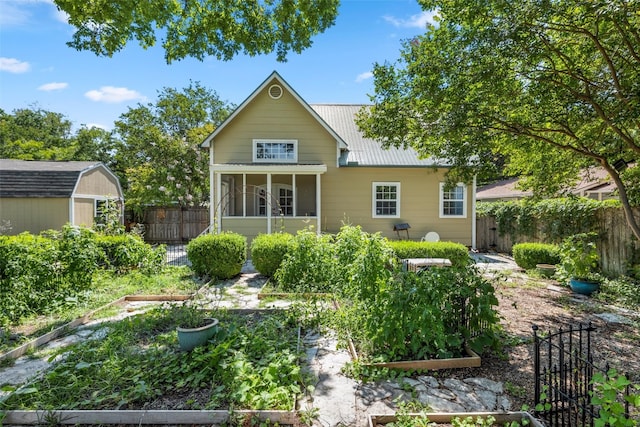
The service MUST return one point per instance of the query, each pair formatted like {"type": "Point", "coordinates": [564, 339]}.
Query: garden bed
{"type": "Point", "coordinates": [137, 372]}
{"type": "Point", "coordinates": [64, 329]}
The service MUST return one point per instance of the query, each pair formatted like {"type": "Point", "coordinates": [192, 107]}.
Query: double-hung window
{"type": "Point", "coordinates": [386, 199]}
{"type": "Point", "coordinates": [453, 201]}
{"type": "Point", "coordinates": [275, 151]}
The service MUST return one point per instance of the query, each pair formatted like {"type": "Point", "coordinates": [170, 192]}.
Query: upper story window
{"type": "Point", "coordinates": [453, 201]}
{"type": "Point", "coordinates": [275, 151]}
{"type": "Point", "coordinates": [386, 199]}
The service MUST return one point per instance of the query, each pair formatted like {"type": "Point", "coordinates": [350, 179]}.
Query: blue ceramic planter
{"type": "Point", "coordinates": [190, 338]}
{"type": "Point", "coordinates": [583, 287]}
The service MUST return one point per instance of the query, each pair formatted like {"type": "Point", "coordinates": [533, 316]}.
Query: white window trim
{"type": "Point", "coordinates": [275, 141]}
{"type": "Point", "coordinates": [273, 196]}
{"type": "Point", "coordinates": [373, 199]}
{"type": "Point", "coordinates": [107, 201]}
{"type": "Point", "coordinates": [464, 201]}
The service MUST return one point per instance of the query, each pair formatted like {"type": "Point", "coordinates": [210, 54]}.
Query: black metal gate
{"type": "Point", "coordinates": [564, 370]}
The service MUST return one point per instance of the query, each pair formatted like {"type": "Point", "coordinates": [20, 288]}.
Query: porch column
{"type": "Point", "coordinates": [244, 194]}
{"type": "Point", "coordinates": [219, 202]}
{"type": "Point", "coordinates": [212, 194]}
{"type": "Point", "coordinates": [268, 203]}
{"type": "Point", "coordinates": [318, 204]}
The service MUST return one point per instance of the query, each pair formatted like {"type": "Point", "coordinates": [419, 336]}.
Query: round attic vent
{"type": "Point", "coordinates": [275, 91]}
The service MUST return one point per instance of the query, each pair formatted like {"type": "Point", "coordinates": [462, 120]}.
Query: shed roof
{"type": "Point", "coordinates": [32, 178]}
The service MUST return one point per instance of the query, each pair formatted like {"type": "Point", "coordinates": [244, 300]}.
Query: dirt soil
{"type": "Point", "coordinates": [524, 302]}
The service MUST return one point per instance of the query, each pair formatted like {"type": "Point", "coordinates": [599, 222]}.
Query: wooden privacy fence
{"type": "Point", "coordinates": [174, 224]}
{"type": "Point", "coordinates": [616, 246]}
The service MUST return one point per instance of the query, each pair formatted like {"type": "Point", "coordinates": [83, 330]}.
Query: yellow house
{"type": "Point", "coordinates": [42, 195]}
{"type": "Point", "coordinates": [280, 164]}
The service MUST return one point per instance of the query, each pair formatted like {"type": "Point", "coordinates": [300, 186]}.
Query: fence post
{"type": "Point", "coordinates": [536, 367]}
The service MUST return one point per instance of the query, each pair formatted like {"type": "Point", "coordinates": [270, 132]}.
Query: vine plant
{"type": "Point", "coordinates": [551, 219]}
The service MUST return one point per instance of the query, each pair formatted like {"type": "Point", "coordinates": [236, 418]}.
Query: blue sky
{"type": "Point", "coordinates": [38, 70]}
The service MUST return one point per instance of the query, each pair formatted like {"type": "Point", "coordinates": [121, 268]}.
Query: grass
{"type": "Point", "coordinates": [107, 287]}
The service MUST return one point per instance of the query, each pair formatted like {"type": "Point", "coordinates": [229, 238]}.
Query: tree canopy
{"type": "Point", "coordinates": [554, 86]}
{"type": "Point", "coordinates": [199, 28]}
{"type": "Point", "coordinates": [154, 149]}
{"type": "Point", "coordinates": [159, 152]}
{"type": "Point", "coordinates": [37, 134]}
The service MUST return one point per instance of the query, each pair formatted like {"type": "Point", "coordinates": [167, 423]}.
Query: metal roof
{"type": "Point", "coordinates": [31, 178]}
{"type": "Point", "coordinates": [363, 151]}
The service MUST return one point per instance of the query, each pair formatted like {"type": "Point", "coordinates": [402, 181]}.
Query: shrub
{"type": "Point", "coordinates": [268, 251]}
{"type": "Point", "coordinates": [39, 274]}
{"type": "Point", "coordinates": [126, 252]}
{"type": "Point", "coordinates": [219, 256]}
{"type": "Point", "coordinates": [30, 275]}
{"type": "Point", "coordinates": [528, 255]}
{"type": "Point", "coordinates": [457, 253]}
{"type": "Point", "coordinates": [310, 264]}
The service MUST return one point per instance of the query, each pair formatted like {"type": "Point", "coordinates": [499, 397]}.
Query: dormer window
{"type": "Point", "coordinates": [275, 151]}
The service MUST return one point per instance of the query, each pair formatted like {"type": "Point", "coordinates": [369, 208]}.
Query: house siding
{"type": "Point", "coordinates": [267, 118]}
{"type": "Point", "coordinates": [346, 192]}
{"type": "Point", "coordinates": [84, 211]}
{"type": "Point", "coordinates": [419, 203]}
{"type": "Point", "coordinates": [34, 214]}
{"type": "Point", "coordinates": [98, 182]}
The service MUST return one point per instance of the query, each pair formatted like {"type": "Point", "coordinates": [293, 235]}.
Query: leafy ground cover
{"type": "Point", "coordinates": [252, 363]}
{"type": "Point", "coordinates": [106, 287]}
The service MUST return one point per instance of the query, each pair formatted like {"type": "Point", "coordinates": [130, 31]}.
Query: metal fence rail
{"type": "Point", "coordinates": [564, 370]}
{"type": "Point", "coordinates": [177, 255]}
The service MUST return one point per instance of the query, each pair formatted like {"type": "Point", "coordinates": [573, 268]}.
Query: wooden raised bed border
{"type": "Point", "coordinates": [473, 361]}
{"type": "Point", "coordinates": [446, 417]}
{"type": "Point", "coordinates": [141, 417]}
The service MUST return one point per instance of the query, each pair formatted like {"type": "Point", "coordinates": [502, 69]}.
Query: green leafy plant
{"type": "Point", "coordinates": [609, 394]}
{"type": "Point", "coordinates": [411, 414]}
{"type": "Point", "coordinates": [386, 316]}
{"type": "Point", "coordinates": [254, 364]}
{"type": "Point", "coordinates": [487, 421]}
{"type": "Point", "coordinates": [580, 257]}
{"type": "Point", "coordinates": [551, 219]}
{"type": "Point", "coordinates": [310, 264]}
{"type": "Point", "coordinates": [218, 255]}
{"type": "Point", "coordinates": [528, 255]}
{"type": "Point", "coordinates": [127, 252]}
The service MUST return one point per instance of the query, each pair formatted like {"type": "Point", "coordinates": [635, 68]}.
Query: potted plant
{"type": "Point", "coordinates": [580, 262]}
{"type": "Point", "coordinates": [196, 325]}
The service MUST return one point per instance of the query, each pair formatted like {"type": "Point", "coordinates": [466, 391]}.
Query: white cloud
{"type": "Point", "coordinates": [113, 95]}
{"type": "Point", "coordinates": [364, 76]}
{"type": "Point", "coordinates": [12, 15]}
{"type": "Point", "coordinates": [13, 65]}
{"type": "Point", "coordinates": [415, 21]}
{"type": "Point", "coordinates": [16, 13]}
{"type": "Point", "coordinates": [96, 125]}
{"type": "Point", "coordinates": [53, 86]}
